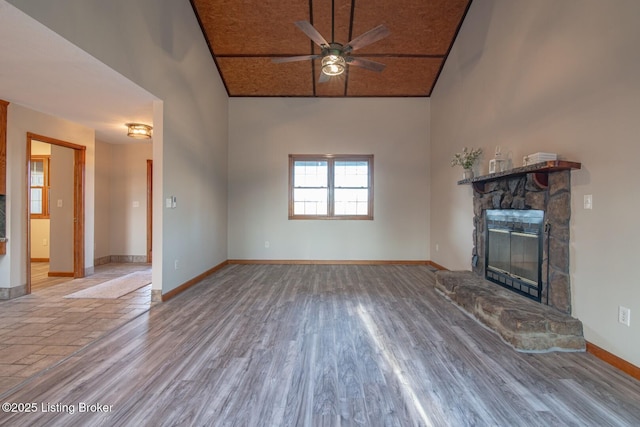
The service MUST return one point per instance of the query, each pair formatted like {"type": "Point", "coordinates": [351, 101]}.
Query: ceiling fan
{"type": "Point", "coordinates": [335, 56]}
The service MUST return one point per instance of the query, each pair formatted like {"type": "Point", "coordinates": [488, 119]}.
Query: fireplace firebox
{"type": "Point", "coordinates": [514, 250]}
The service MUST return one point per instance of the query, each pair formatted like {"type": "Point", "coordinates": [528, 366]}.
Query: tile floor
{"type": "Point", "coordinates": [39, 330]}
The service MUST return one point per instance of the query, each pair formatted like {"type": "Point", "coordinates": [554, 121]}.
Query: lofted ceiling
{"type": "Point", "coordinates": [245, 36]}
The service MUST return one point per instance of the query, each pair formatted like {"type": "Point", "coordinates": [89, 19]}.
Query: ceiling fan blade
{"type": "Point", "coordinates": [323, 78]}
{"type": "Point", "coordinates": [367, 38]}
{"type": "Point", "coordinates": [366, 63]}
{"type": "Point", "coordinates": [294, 58]}
{"type": "Point", "coordinates": [312, 33]}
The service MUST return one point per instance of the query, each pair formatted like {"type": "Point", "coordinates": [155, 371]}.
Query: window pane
{"type": "Point", "coordinates": [310, 174]}
{"type": "Point", "coordinates": [351, 201]}
{"type": "Point", "coordinates": [37, 173]}
{"type": "Point", "coordinates": [310, 201]}
{"type": "Point", "coordinates": [36, 201]}
{"type": "Point", "coordinates": [352, 174]}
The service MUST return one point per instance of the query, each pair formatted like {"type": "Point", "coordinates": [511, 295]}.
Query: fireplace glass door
{"type": "Point", "coordinates": [525, 256]}
{"type": "Point", "coordinates": [514, 250]}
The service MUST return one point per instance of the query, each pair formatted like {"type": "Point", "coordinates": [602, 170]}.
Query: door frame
{"type": "Point", "coordinates": [149, 210]}
{"type": "Point", "coordinates": [78, 202]}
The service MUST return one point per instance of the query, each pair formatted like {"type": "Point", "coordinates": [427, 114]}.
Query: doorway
{"type": "Point", "coordinates": [40, 200]}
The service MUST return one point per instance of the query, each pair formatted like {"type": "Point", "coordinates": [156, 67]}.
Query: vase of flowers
{"type": "Point", "coordinates": [466, 159]}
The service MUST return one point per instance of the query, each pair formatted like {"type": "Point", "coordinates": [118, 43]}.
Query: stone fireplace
{"type": "Point", "coordinates": [526, 211]}
{"type": "Point", "coordinates": [544, 188]}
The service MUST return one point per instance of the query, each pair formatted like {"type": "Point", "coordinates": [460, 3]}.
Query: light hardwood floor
{"type": "Point", "coordinates": [333, 345]}
{"type": "Point", "coordinates": [40, 279]}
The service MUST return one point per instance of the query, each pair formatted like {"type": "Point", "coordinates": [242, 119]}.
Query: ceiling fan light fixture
{"type": "Point", "coordinates": [139, 130]}
{"type": "Point", "coordinates": [333, 65]}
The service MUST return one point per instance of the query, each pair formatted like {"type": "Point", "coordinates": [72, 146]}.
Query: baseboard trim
{"type": "Point", "coordinates": [128, 259]}
{"type": "Point", "coordinates": [60, 274]}
{"type": "Point", "coordinates": [39, 259]}
{"type": "Point", "coordinates": [613, 360]}
{"type": "Point", "coordinates": [436, 265]}
{"type": "Point", "coordinates": [327, 262]}
{"type": "Point", "coordinates": [121, 259]}
{"type": "Point", "coordinates": [174, 292]}
{"type": "Point", "coordinates": [102, 260]}
{"type": "Point", "coordinates": [14, 292]}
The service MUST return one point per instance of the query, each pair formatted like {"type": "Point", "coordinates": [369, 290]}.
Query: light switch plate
{"type": "Point", "coordinates": [588, 201]}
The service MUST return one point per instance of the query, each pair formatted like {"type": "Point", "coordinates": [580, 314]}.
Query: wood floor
{"type": "Point", "coordinates": [40, 278]}
{"type": "Point", "coordinates": [313, 345]}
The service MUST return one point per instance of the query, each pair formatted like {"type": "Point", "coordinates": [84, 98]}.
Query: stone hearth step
{"type": "Point", "coordinates": [523, 323]}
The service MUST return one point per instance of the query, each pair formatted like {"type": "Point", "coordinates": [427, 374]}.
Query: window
{"type": "Point", "coordinates": [39, 172]}
{"type": "Point", "coordinates": [330, 187]}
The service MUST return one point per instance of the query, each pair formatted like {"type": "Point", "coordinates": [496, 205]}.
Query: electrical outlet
{"type": "Point", "coordinates": [176, 264]}
{"type": "Point", "coordinates": [437, 247]}
{"type": "Point", "coordinates": [267, 244]}
{"type": "Point", "coordinates": [588, 201]}
{"type": "Point", "coordinates": [624, 315]}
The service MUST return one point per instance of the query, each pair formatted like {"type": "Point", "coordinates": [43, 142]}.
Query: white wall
{"type": "Point", "coordinates": [103, 200]}
{"type": "Point", "coordinates": [158, 45]}
{"type": "Point", "coordinates": [562, 77]}
{"type": "Point", "coordinates": [121, 198]}
{"type": "Point", "coordinates": [61, 209]}
{"type": "Point", "coordinates": [264, 131]}
{"type": "Point", "coordinates": [128, 198]}
{"type": "Point", "coordinates": [40, 238]}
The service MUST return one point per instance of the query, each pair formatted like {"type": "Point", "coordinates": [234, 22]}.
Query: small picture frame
{"type": "Point", "coordinates": [492, 166]}
{"type": "Point", "coordinates": [497, 165]}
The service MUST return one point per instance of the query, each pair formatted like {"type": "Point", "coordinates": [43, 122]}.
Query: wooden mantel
{"type": "Point", "coordinates": [540, 173]}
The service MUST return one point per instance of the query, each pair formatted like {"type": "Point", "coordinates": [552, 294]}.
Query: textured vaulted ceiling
{"type": "Point", "coordinates": [244, 36]}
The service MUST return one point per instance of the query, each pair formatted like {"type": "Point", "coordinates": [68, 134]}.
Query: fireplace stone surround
{"type": "Point", "coordinates": [528, 191]}
{"type": "Point", "coordinates": [525, 324]}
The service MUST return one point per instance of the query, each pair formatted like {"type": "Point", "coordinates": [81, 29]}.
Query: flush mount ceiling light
{"type": "Point", "coordinates": [139, 130]}
{"type": "Point", "coordinates": [333, 63]}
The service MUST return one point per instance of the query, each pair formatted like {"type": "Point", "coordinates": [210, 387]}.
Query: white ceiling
{"type": "Point", "coordinates": [43, 71]}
